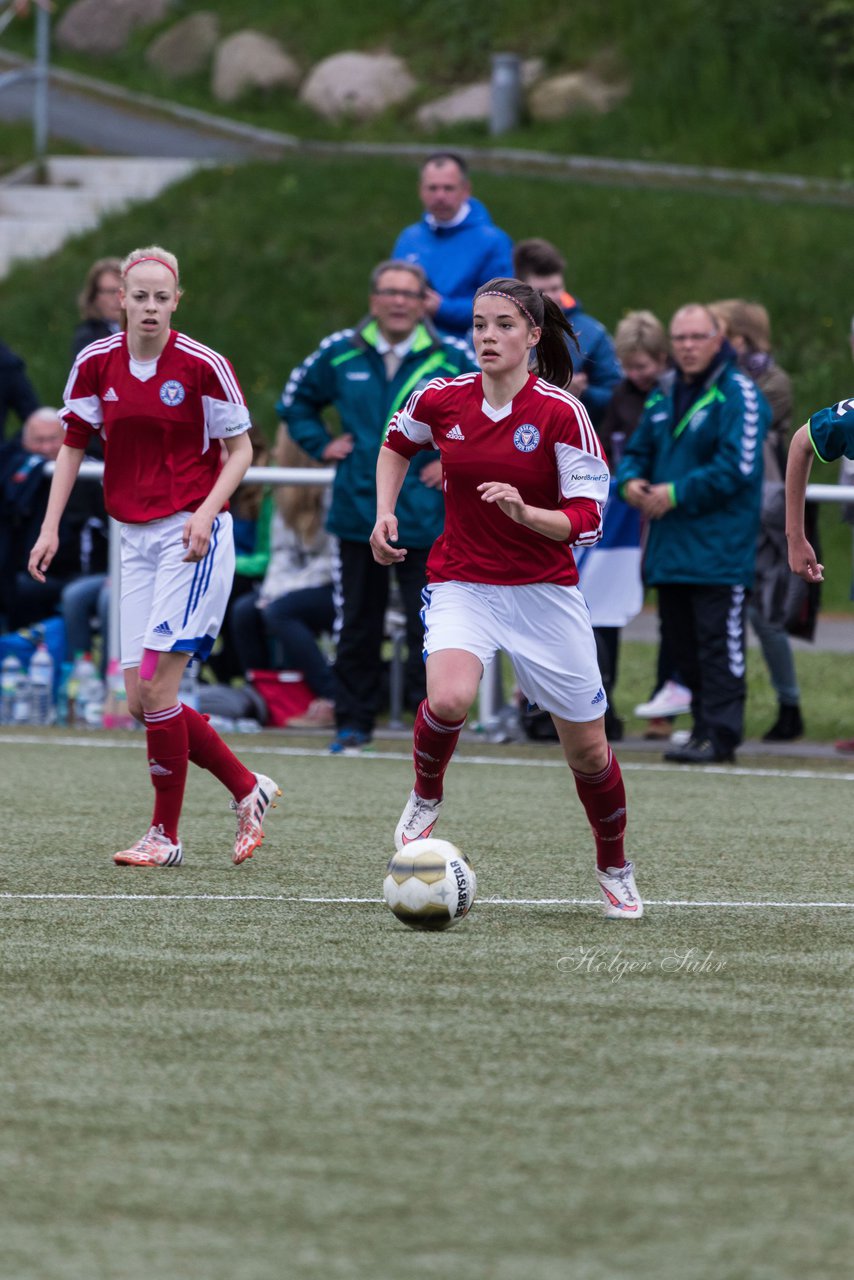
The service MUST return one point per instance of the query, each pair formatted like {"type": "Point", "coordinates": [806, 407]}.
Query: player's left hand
{"type": "Point", "coordinates": [507, 496]}
{"type": "Point", "coordinates": [196, 536]}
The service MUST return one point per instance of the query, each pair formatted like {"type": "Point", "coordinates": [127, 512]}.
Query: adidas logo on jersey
{"type": "Point", "coordinates": [455, 433]}
{"type": "Point", "coordinates": [109, 394]}
{"type": "Point", "coordinates": [163, 629]}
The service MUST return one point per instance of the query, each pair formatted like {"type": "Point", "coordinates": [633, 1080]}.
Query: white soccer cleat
{"type": "Point", "coordinates": [672, 699]}
{"type": "Point", "coordinates": [417, 821]}
{"type": "Point", "coordinates": [155, 849]}
{"type": "Point", "coordinates": [250, 816]}
{"type": "Point", "coordinates": [622, 900]}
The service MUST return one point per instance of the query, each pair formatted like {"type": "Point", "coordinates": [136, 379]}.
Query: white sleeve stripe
{"type": "Point", "coordinates": [88, 408]}
{"type": "Point", "coordinates": [585, 427]}
{"type": "Point", "coordinates": [217, 363]}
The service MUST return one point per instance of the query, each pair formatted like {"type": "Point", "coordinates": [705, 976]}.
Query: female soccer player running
{"type": "Point", "coordinates": [525, 479]}
{"type": "Point", "coordinates": [174, 422]}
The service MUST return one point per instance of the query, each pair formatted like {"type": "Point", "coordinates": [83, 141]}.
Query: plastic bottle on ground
{"type": "Point", "coordinates": [10, 674]}
{"type": "Point", "coordinates": [116, 713]}
{"type": "Point", "coordinates": [42, 709]}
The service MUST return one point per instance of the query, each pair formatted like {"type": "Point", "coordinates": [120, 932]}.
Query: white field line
{"type": "Point", "coordinates": [483, 902]}
{"type": "Point", "coordinates": [250, 746]}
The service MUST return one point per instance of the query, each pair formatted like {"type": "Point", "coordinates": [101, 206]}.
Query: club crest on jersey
{"type": "Point", "coordinates": [172, 393]}
{"type": "Point", "coordinates": [526, 438]}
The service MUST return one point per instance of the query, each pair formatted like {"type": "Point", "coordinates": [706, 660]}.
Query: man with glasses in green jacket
{"type": "Point", "coordinates": [365, 374]}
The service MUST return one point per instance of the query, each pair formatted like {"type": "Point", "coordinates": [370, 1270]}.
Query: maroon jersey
{"type": "Point", "coordinates": [542, 443]}
{"type": "Point", "coordinates": [161, 431]}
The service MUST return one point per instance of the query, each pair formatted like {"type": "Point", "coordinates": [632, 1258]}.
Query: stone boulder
{"type": "Point", "coordinates": [248, 60]}
{"type": "Point", "coordinates": [186, 48]}
{"type": "Point", "coordinates": [104, 26]}
{"type": "Point", "coordinates": [471, 103]}
{"type": "Point", "coordinates": [358, 86]}
{"type": "Point", "coordinates": [561, 96]}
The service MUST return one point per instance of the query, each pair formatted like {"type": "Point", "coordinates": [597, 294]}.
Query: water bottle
{"type": "Point", "coordinates": [10, 674]}
{"type": "Point", "coordinates": [116, 714]}
{"type": "Point", "coordinates": [42, 710]}
{"type": "Point", "coordinates": [21, 705]}
{"type": "Point", "coordinates": [89, 693]}
{"type": "Point", "coordinates": [64, 703]}
{"type": "Point", "coordinates": [188, 691]}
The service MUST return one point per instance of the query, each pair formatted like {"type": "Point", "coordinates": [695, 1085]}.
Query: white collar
{"type": "Point", "coordinates": [400, 349]}
{"type": "Point", "coordinates": [460, 216]}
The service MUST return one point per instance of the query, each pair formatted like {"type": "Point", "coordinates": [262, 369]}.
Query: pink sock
{"type": "Point", "coordinates": [433, 744]}
{"type": "Point", "coordinates": [166, 744]}
{"type": "Point", "coordinates": [604, 798]}
{"type": "Point", "coordinates": [208, 751]}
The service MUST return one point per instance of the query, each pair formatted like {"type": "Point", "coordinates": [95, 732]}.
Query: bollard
{"type": "Point", "coordinates": [506, 99]}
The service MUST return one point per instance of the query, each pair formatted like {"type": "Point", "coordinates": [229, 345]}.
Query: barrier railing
{"type": "Point", "coordinates": [489, 703]}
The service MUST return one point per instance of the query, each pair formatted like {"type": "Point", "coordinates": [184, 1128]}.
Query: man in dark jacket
{"type": "Point", "coordinates": [455, 242]}
{"type": "Point", "coordinates": [366, 374]}
{"type": "Point", "coordinates": [693, 468]}
{"type": "Point", "coordinates": [16, 390]}
{"type": "Point", "coordinates": [596, 369]}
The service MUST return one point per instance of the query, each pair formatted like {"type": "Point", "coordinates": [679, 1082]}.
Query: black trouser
{"type": "Point", "coordinates": [361, 598]}
{"type": "Point", "coordinates": [704, 631]}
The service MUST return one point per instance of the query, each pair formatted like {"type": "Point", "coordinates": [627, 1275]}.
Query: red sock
{"type": "Point", "coordinates": [208, 751]}
{"type": "Point", "coordinates": [166, 743]}
{"type": "Point", "coordinates": [433, 744]}
{"type": "Point", "coordinates": [604, 798]}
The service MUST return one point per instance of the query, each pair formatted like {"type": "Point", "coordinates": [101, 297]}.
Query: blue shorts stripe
{"type": "Point", "coordinates": [190, 605]}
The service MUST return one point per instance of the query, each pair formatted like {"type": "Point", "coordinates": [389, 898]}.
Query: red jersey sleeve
{"type": "Point", "coordinates": [82, 412]}
{"type": "Point", "coordinates": [409, 429]}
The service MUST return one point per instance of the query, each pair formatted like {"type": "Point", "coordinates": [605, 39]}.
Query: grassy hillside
{"type": "Point", "coordinates": [766, 85]}
{"type": "Point", "coordinates": [274, 257]}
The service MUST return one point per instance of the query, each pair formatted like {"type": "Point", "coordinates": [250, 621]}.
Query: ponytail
{"type": "Point", "coordinates": [554, 360]}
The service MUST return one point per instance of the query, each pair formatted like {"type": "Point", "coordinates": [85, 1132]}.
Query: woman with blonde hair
{"type": "Point", "coordinates": [175, 429]}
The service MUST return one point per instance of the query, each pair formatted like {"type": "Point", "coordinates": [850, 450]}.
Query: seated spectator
{"type": "Point", "coordinates": [596, 369]}
{"type": "Point", "coordinates": [252, 514]}
{"type": "Point", "coordinates": [16, 390]}
{"type": "Point", "coordinates": [278, 624]}
{"type": "Point", "coordinates": [24, 491]}
{"type": "Point", "coordinates": [99, 303]}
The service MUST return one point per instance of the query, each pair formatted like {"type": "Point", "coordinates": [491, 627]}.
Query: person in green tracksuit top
{"type": "Point", "coordinates": [365, 374]}
{"type": "Point", "coordinates": [693, 468]}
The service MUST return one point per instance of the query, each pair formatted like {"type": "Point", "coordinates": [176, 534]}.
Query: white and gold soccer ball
{"type": "Point", "coordinates": [430, 884]}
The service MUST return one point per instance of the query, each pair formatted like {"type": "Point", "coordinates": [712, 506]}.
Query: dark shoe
{"type": "Point", "coordinates": [349, 742]}
{"type": "Point", "coordinates": [699, 751]}
{"type": "Point", "coordinates": [787, 726]}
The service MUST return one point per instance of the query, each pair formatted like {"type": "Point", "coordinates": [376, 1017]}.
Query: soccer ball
{"type": "Point", "coordinates": [430, 884]}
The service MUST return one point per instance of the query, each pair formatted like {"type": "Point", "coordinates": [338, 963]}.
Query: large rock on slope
{"type": "Point", "coordinates": [248, 60]}
{"type": "Point", "coordinates": [186, 48]}
{"type": "Point", "coordinates": [357, 85]}
{"type": "Point", "coordinates": [104, 26]}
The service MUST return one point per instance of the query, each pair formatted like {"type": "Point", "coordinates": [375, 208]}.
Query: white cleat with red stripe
{"type": "Point", "coordinates": [251, 811]}
{"type": "Point", "coordinates": [622, 900]}
{"type": "Point", "coordinates": [417, 821]}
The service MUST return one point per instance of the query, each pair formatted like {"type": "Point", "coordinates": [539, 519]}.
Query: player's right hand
{"type": "Point", "coordinates": [383, 540]}
{"type": "Point", "coordinates": [802, 561]}
{"type": "Point", "coordinates": [41, 555]}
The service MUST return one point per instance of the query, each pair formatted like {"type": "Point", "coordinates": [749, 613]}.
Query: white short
{"type": "Point", "coordinates": [544, 629]}
{"type": "Point", "coordinates": [168, 603]}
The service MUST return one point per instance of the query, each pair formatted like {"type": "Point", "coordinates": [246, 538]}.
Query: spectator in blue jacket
{"type": "Point", "coordinates": [693, 467]}
{"type": "Point", "coordinates": [366, 374]}
{"type": "Point", "coordinates": [596, 369]}
{"type": "Point", "coordinates": [456, 242]}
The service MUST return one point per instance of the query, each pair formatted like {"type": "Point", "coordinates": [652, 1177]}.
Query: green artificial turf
{"type": "Point", "coordinates": [209, 1073]}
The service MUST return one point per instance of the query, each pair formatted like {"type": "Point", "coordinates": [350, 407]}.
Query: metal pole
{"type": "Point", "coordinates": [506, 99]}
{"type": "Point", "coordinates": [42, 82]}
